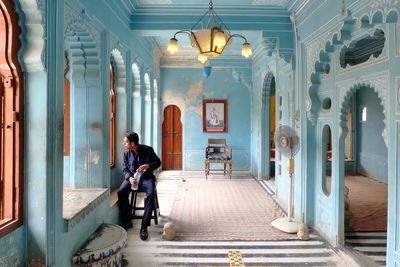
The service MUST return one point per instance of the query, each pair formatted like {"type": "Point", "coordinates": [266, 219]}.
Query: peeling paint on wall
{"type": "Point", "coordinates": [191, 102]}
{"type": "Point", "coordinates": [93, 158]}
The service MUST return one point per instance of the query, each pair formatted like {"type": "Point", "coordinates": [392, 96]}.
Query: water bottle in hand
{"type": "Point", "coordinates": [137, 176]}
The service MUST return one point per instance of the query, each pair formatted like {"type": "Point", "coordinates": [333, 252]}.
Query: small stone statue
{"type": "Point", "coordinates": [169, 232]}
{"type": "Point", "coordinates": [303, 233]}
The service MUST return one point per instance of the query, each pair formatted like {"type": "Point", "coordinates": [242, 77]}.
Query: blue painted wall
{"type": "Point", "coordinates": [372, 151]}
{"type": "Point", "coordinates": [186, 88]}
{"type": "Point", "coordinates": [12, 249]}
{"type": "Point", "coordinates": [323, 31]}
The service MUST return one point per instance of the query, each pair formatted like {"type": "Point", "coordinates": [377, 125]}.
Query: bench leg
{"type": "Point", "coordinates": [230, 170]}
{"type": "Point", "coordinates": [207, 168]}
{"type": "Point", "coordinates": [156, 209]}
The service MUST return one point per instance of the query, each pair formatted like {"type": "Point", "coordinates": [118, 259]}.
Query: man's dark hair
{"type": "Point", "coordinates": [132, 137]}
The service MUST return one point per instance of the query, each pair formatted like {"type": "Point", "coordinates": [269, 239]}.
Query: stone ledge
{"type": "Point", "coordinates": [113, 197]}
{"type": "Point", "coordinates": [78, 203]}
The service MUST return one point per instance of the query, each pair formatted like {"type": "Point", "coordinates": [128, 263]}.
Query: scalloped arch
{"type": "Point", "coordinates": [121, 70]}
{"type": "Point", "coordinates": [336, 39]}
{"type": "Point", "coordinates": [136, 78]}
{"type": "Point", "coordinates": [364, 21]}
{"type": "Point", "coordinates": [392, 16]}
{"type": "Point", "coordinates": [147, 84]}
{"type": "Point", "coordinates": [377, 17]}
{"type": "Point", "coordinates": [329, 46]}
{"type": "Point", "coordinates": [345, 102]}
{"type": "Point", "coordinates": [266, 88]}
{"type": "Point", "coordinates": [155, 86]}
{"type": "Point", "coordinates": [33, 52]}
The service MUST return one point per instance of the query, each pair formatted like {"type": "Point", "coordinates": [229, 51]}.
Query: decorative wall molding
{"type": "Point", "coordinates": [328, 41]}
{"type": "Point", "coordinates": [372, 60]}
{"type": "Point", "coordinates": [34, 53]}
{"type": "Point", "coordinates": [379, 83]}
{"type": "Point", "coordinates": [75, 17]}
{"type": "Point", "coordinates": [269, 47]}
{"type": "Point", "coordinates": [243, 78]}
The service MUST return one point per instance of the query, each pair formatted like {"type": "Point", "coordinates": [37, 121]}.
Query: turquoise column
{"type": "Point", "coordinates": [96, 146]}
{"type": "Point", "coordinates": [146, 139]}
{"type": "Point", "coordinates": [137, 104]}
{"type": "Point", "coordinates": [43, 146]}
{"type": "Point", "coordinates": [79, 132]}
{"type": "Point", "coordinates": [156, 117]}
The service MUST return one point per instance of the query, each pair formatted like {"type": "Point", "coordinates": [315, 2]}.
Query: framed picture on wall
{"type": "Point", "coordinates": [215, 115]}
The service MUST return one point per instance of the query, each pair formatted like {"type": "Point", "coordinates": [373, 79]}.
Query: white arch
{"type": "Point", "coordinates": [121, 71]}
{"type": "Point", "coordinates": [136, 78]}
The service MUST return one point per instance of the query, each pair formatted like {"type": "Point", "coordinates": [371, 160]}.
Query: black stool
{"type": "Point", "coordinates": [133, 204]}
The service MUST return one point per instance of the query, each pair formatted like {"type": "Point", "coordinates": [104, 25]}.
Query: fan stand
{"type": "Point", "coordinates": [286, 224]}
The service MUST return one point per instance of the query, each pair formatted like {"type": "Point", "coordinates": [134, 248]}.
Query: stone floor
{"type": "Point", "coordinates": [157, 252]}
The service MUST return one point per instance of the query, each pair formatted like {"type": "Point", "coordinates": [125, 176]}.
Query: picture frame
{"type": "Point", "coordinates": [215, 115]}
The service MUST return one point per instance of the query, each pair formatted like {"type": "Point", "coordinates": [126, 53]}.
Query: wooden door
{"type": "Point", "coordinates": [172, 139]}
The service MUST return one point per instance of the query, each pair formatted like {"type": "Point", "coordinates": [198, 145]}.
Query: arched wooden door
{"type": "Point", "coordinates": [172, 139]}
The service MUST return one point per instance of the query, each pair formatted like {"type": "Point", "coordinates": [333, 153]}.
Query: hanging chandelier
{"type": "Point", "coordinates": [211, 40]}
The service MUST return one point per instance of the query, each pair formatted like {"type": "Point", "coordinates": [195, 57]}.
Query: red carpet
{"type": "Point", "coordinates": [368, 204]}
{"type": "Point", "coordinates": [237, 209]}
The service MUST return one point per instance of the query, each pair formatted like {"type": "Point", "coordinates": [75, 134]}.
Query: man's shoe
{"type": "Point", "coordinates": [143, 233]}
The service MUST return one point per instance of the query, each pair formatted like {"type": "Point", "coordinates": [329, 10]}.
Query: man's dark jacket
{"type": "Point", "coordinates": [146, 155]}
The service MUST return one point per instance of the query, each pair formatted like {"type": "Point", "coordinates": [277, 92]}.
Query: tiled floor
{"type": "Point", "coordinates": [157, 252]}
{"type": "Point", "coordinates": [372, 244]}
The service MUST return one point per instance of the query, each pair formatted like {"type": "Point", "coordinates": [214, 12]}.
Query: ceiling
{"type": "Point", "coordinates": [158, 20]}
{"type": "Point", "coordinates": [217, 3]}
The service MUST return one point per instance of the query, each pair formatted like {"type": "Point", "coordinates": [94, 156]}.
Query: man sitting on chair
{"type": "Point", "coordinates": [139, 158]}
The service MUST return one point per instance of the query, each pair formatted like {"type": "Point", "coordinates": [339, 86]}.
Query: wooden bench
{"type": "Point", "coordinates": [103, 248]}
{"type": "Point", "coordinates": [217, 151]}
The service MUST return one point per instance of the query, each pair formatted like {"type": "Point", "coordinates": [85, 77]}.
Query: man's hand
{"type": "Point", "coordinates": [132, 180]}
{"type": "Point", "coordinates": [143, 168]}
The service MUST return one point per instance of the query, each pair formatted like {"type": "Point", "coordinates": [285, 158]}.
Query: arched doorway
{"type": "Point", "coordinates": [11, 115]}
{"type": "Point", "coordinates": [364, 173]}
{"type": "Point", "coordinates": [172, 139]}
{"type": "Point", "coordinates": [268, 127]}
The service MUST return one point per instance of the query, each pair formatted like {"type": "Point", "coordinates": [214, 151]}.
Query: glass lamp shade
{"type": "Point", "coordinates": [204, 41]}
{"type": "Point", "coordinates": [173, 46]}
{"type": "Point", "coordinates": [246, 50]}
{"type": "Point", "coordinates": [207, 71]}
{"type": "Point", "coordinates": [202, 58]}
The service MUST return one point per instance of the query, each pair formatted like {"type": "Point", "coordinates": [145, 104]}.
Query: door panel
{"type": "Point", "coordinates": [172, 139]}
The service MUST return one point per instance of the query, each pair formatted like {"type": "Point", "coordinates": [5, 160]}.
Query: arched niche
{"type": "Point", "coordinates": [326, 159]}
{"type": "Point", "coordinates": [268, 108]}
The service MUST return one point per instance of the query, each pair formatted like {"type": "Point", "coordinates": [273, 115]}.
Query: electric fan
{"type": "Point", "coordinates": [287, 143]}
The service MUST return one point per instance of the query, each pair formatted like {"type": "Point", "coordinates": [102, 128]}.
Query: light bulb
{"type": "Point", "coordinates": [246, 50]}
{"type": "Point", "coordinates": [219, 39]}
{"type": "Point", "coordinates": [173, 46]}
{"type": "Point", "coordinates": [202, 58]}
